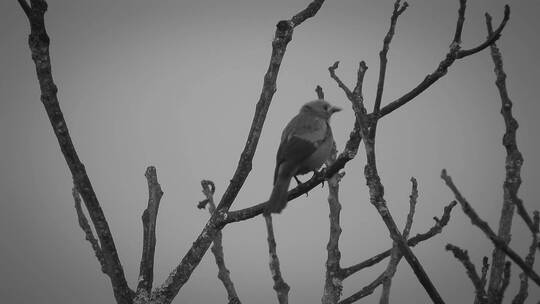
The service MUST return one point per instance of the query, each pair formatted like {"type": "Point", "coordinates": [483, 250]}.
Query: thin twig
{"type": "Point", "coordinates": [461, 20]}
{"type": "Point", "coordinates": [478, 222]}
{"type": "Point", "coordinates": [463, 257]}
{"type": "Point", "coordinates": [217, 247]}
{"type": "Point", "coordinates": [366, 291]}
{"type": "Point", "coordinates": [149, 217]}
{"type": "Point", "coordinates": [396, 255]}
{"type": "Point", "coordinates": [39, 46]}
{"type": "Point", "coordinates": [181, 273]}
{"type": "Point", "coordinates": [89, 235]}
{"type": "Point", "coordinates": [453, 54]}
{"type": "Point", "coordinates": [280, 286]}
{"type": "Point", "coordinates": [319, 91]}
{"type": "Point", "coordinates": [333, 281]}
{"type": "Point", "coordinates": [398, 10]}
{"type": "Point", "coordinates": [483, 278]}
{"type": "Point", "coordinates": [436, 229]}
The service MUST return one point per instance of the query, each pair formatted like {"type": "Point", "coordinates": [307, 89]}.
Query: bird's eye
{"type": "Point", "coordinates": [325, 107]}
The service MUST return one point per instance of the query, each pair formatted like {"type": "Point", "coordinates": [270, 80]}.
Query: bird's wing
{"type": "Point", "coordinates": [302, 136]}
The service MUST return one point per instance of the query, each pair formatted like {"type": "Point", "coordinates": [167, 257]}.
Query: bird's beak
{"type": "Point", "coordinates": [334, 109]}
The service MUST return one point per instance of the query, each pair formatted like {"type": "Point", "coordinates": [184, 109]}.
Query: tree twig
{"type": "Point", "coordinates": [396, 255]}
{"type": "Point", "coordinates": [453, 54]}
{"type": "Point", "coordinates": [436, 229]}
{"type": "Point", "coordinates": [39, 46]}
{"type": "Point", "coordinates": [478, 222]}
{"type": "Point", "coordinates": [89, 235]}
{"type": "Point", "coordinates": [149, 217]}
{"type": "Point", "coordinates": [366, 291]}
{"type": "Point", "coordinates": [280, 286]}
{"type": "Point", "coordinates": [217, 247]}
{"type": "Point", "coordinates": [463, 257]}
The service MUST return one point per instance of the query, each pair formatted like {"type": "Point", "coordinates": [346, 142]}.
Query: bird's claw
{"type": "Point", "coordinates": [298, 182]}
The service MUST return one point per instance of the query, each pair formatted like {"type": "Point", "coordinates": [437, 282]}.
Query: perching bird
{"type": "Point", "coordinates": [306, 144]}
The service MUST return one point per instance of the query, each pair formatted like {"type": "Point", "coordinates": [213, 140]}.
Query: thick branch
{"type": "Point", "coordinates": [180, 275]}
{"type": "Point", "coordinates": [280, 286]}
{"type": "Point", "coordinates": [149, 217]}
{"type": "Point", "coordinates": [453, 54]}
{"type": "Point", "coordinates": [217, 247]}
{"type": "Point", "coordinates": [478, 222]}
{"type": "Point", "coordinates": [463, 257]}
{"type": "Point", "coordinates": [529, 260]}
{"type": "Point", "coordinates": [89, 235]}
{"type": "Point", "coordinates": [333, 279]}
{"type": "Point", "coordinates": [39, 46]}
{"type": "Point", "coordinates": [514, 161]}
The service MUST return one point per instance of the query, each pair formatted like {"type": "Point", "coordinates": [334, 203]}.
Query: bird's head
{"type": "Point", "coordinates": [320, 108]}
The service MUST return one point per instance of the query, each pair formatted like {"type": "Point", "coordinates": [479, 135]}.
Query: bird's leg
{"type": "Point", "coordinates": [320, 174]}
{"type": "Point", "coordinates": [299, 182]}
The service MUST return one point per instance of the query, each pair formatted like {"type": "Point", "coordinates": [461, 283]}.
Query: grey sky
{"type": "Point", "coordinates": [174, 84]}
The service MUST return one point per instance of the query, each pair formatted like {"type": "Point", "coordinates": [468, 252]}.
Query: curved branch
{"type": "Point", "coordinates": [451, 56]}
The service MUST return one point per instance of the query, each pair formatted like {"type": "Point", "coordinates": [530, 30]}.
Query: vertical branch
{"type": "Point", "coordinates": [529, 260]}
{"type": "Point", "coordinates": [217, 247]}
{"type": "Point", "coordinates": [280, 286]}
{"type": "Point", "coordinates": [398, 10]}
{"type": "Point", "coordinates": [514, 161]}
{"type": "Point", "coordinates": [38, 42]}
{"type": "Point", "coordinates": [149, 217]}
{"type": "Point", "coordinates": [333, 279]}
{"type": "Point", "coordinates": [396, 256]}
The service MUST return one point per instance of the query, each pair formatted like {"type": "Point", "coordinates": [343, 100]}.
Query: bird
{"type": "Point", "coordinates": [306, 144]}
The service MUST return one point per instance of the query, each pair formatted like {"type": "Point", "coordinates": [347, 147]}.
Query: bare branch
{"type": "Point", "coordinates": [280, 286]}
{"type": "Point", "coordinates": [89, 235]}
{"type": "Point", "coordinates": [320, 93]}
{"type": "Point", "coordinates": [529, 260]}
{"type": "Point", "coordinates": [396, 255]}
{"type": "Point", "coordinates": [149, 217]}
{"type": "Point", "coordinates": [333, 281]}
{"type": "Point", "coordinates": [217, 247]}
{"type": "Point", "coordinates": [332, 69]}
{"type": "Point", "coordinates": [436, 229]}
{"type": "Point", "coordinates": [514, 161]}
{"type": "Point", "coordinates": [25, 7]}
{"type": "Point", "coordinates": [398, 10]}
{"type": "Point", "coordinates": [453, 54]}
{"type": "Point", "coordinates": [181, 273]}
{"type": "Point", "coordinates": [39, 46]}
{"type": "Point", "coordinates": [461, 20]}
{"type": "Point", "coordinates": [366, 291]}
{"type": "Point", "coordinates": [490, 40]}
{"type": "Point", "coordinates": [478, 222]}
{"type": "Point", "coordinates": [463, 257]}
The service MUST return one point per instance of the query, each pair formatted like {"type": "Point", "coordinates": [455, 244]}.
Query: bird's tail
{"type": "Point", "coordinates": [278, 198]}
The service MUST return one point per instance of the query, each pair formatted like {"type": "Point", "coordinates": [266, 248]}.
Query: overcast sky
{"type": "Point", "coordinates": [174, 84]}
